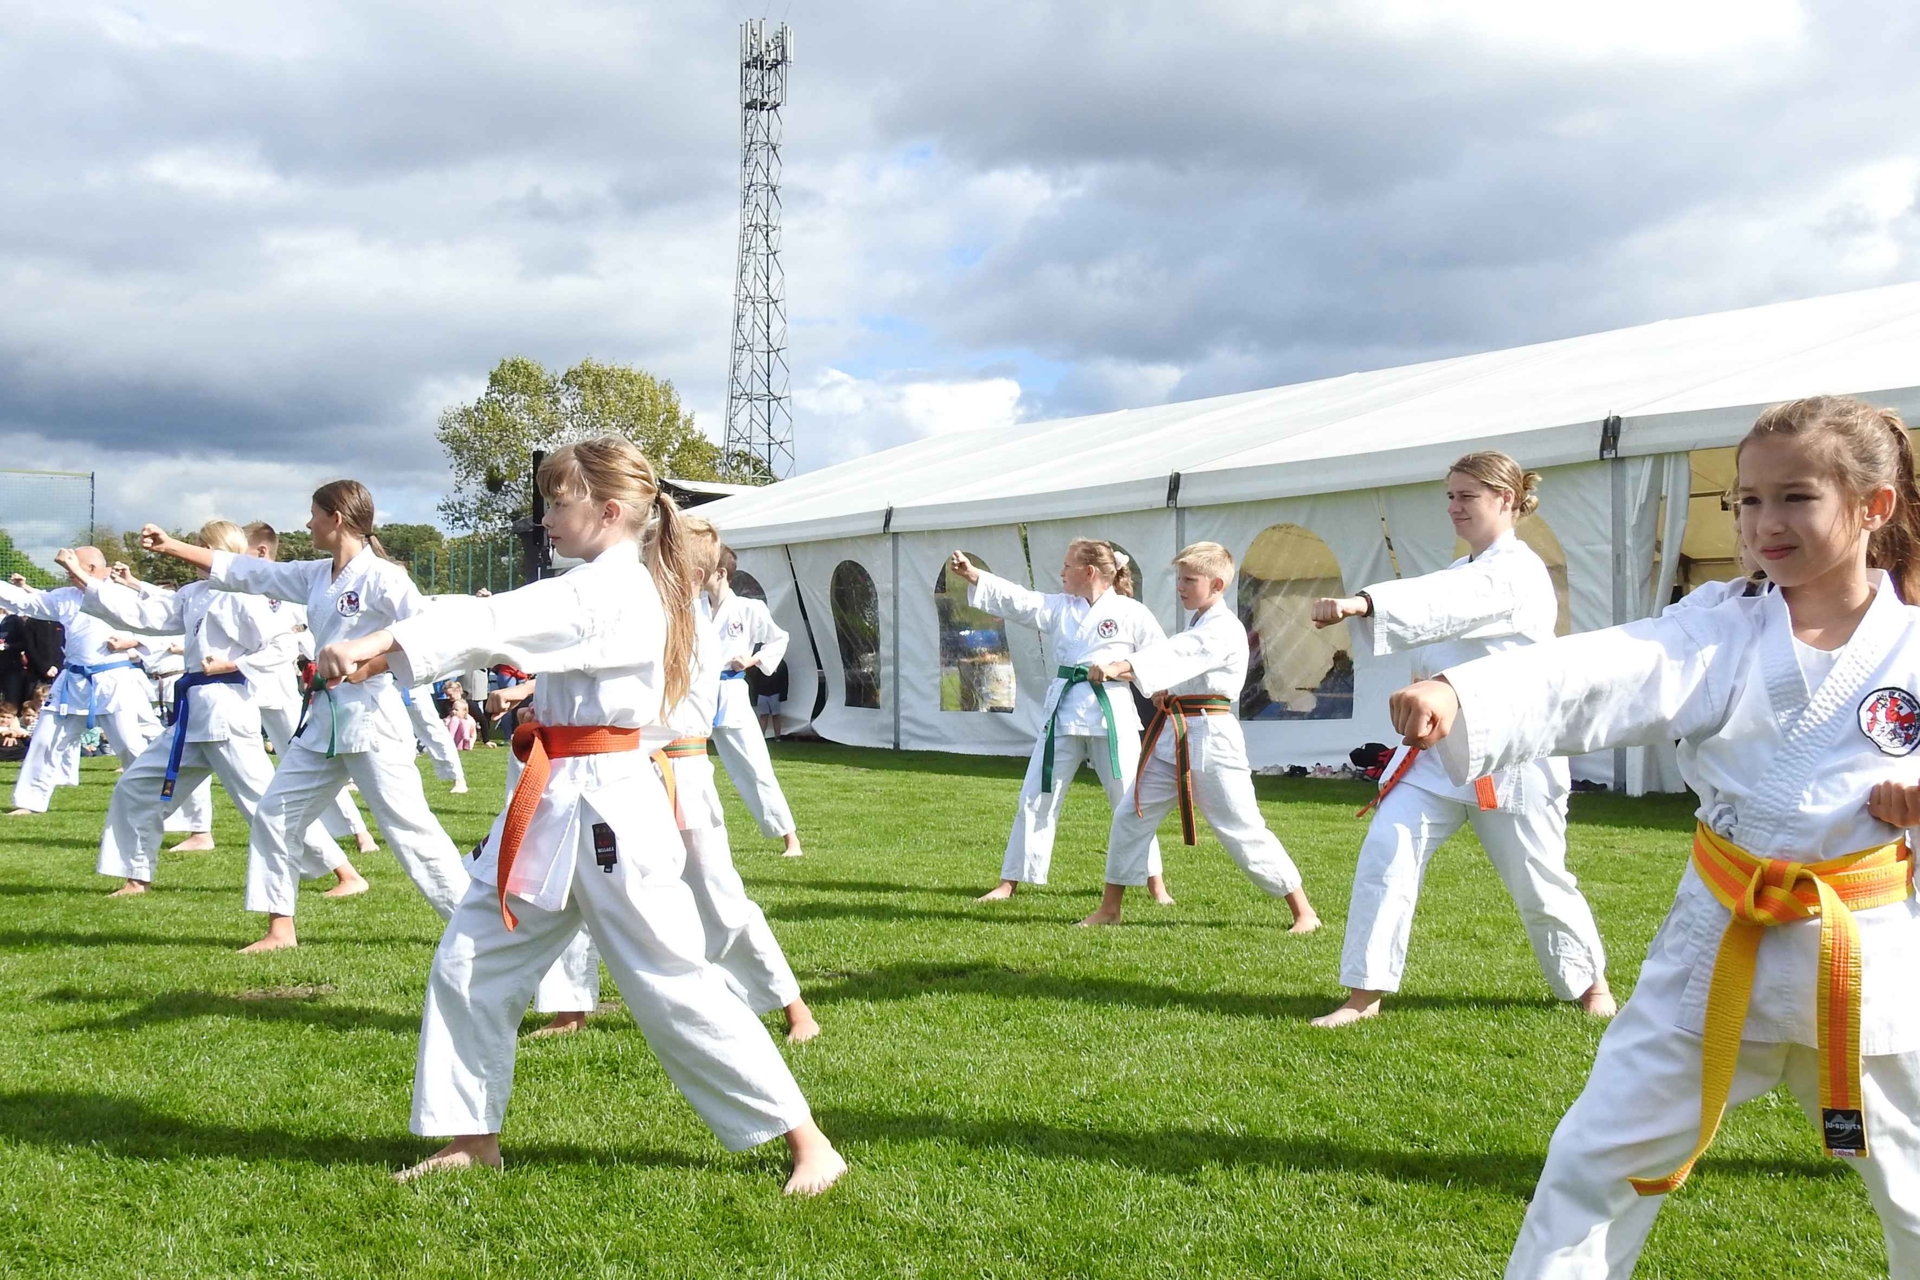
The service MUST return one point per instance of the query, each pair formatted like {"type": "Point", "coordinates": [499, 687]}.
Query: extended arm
{"type": "Point", "coordinates": [1481, 597]}
{"type": "Point", "coordinates": [769, 635]}
{"type": "Point", "coordinates": [292, 580]}
{"type": "Point", "coordinates": [46, 606]}
{"type": "Point", "coordinates": [1187, 656]}
{"type": "Point", "coordinates": [535, 628]}
{"type": "Point", "coordinates": [991, 593]}
{"type": "Point", "coordinates": [126, 607]}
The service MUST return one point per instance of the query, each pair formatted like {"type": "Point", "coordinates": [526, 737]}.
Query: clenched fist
{"type": "Point", "coordinates": [1423, 712]}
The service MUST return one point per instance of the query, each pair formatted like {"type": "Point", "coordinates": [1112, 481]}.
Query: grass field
{"type": "Point", "coordinates": [1018, 1097]}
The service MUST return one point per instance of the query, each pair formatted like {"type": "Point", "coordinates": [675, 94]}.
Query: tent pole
{"type": "Point", "coordinates": [896, 635]}
{"type": "Point", "coordinates": [1617, 477]}
{"type": "Point", "coordinates": [1179, 541]}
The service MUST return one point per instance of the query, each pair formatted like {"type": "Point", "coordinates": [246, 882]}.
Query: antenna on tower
{"type": "Point", "coordinates": [759, 444]}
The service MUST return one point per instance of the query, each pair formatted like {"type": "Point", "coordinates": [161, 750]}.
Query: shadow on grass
{"type": "Point", "coordinates": [128, 1129]}
{"type": "Point", "coordinates": [182, 1006]}
{"type": "Point", "coordinates": [1060, 913]}
{"type": "Point", "coordinates": [910, 981]}
{"type": "Point", "coordinates": [875, 886]}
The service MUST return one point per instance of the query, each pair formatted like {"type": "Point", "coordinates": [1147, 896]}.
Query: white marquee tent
{"type": "Point", "coordinates": [1318, 488]}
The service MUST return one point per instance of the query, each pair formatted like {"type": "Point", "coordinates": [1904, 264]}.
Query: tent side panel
{"type": "Point", "coordinates": [769, 567]}
{"type": "Point", "coordinates": [816, 563]}
{"type": "Point", "coordinates": [924, 726]}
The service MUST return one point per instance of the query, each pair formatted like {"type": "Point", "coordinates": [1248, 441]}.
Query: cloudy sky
{"type": "Point", "coordinates": [248, 247]}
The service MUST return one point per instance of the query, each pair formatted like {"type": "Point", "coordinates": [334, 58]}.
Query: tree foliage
{"type": "Point", "coordinates": [490, 442]}
{"type": "Point", "coordinates": [13, 560]}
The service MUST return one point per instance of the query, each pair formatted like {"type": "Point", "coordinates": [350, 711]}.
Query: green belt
{"type": "Point", "coordinates": [1074, 676]}
{"type": "Point", "coordinates": [317, 685]}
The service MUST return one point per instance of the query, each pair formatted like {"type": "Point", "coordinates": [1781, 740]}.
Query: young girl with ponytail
{"type": "Point", "coordinates": [1790, 951]}
{"type": "Point", "coordinates": [1095, 620]}
{"type": "Point", "coordinates": [358, 732]}
{"type": "Point", "coordinates": [1496, 597]}
{"type": "Point", "coordinates": [589, 836]}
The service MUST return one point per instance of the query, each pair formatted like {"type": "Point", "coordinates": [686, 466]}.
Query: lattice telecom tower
{"type": "Point", "coordinates": [759, 443]}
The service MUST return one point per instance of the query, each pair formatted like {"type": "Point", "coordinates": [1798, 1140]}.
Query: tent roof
{"type": "Point", "coordinates": [1676, 384]}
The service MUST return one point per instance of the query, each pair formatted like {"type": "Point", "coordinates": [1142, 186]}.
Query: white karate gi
{"type": "Point", "coordinates": [356, 731]}
{"type": "Point", "coordinates": [1078, 634]}
{"type": "Point", "coordinates": [120, 698]}
{"type": "Point", "coordinates": [745, 626]}
{"type": "Point", "coordinates": [274, 677]}
{"type": "Point", "coordinates": [165, 667]}
{"type": "Point", "coordinates": [595, 637]}
{"type": "Point", "coordinates": [434, 735]}
{"type": "Point", "coordinates": [1501, 599]}
{"type": "Point", "coordinates": [222, 729]}
{"type": "Point", "coordinates": [1782, 762]}
{"type": "Point", "coordinates": [1210, 656]}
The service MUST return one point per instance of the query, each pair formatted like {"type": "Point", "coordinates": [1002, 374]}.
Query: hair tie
{"type": "Point", "coordinates": [1120, 558]}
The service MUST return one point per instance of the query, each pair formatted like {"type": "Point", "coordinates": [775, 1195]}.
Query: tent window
{"type": "Point", "coordinates": [976, 667]}
{"type": "Point", "coordinates": [1539, 536]}
{"type": "Point", "coordinates": [1296, 672]}
{"type": "Point", "coordinates": [856, 622]}
{"type": "Point", "coordinates": [745, 584]}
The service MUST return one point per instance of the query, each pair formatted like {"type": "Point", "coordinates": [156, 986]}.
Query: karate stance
{"type": "Point", "coordinates": [1195, 755]}
{"type": "Point", "coordinates": [357, 732]}
{"type": "Point", "coordinates": [216, 727]}
{"type": "Point", "coordinates": [749, 637]}
{"type": "Point", "coordinates": [589, 837]}
{"type": "Point", "coordinates": [1497, 597]}
{"type": "Point", "coordinates": [739, 939]}
{"type": "Point", "coordinates": [1096, 619]}
{"type": "Point", "coordinates": [1790, 951]}
{"type": "Point", "coordinates": [99, 685]}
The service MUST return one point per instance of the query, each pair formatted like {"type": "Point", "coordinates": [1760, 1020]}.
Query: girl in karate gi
{"type": "Point", "coordinates": [1496, 597]}
{"type": "Point", "coordinates": [216, 728]}
{"type": "Point", "coordinates": [739, 939]}
{"type": "Point", "coordinates": [589, 837]}
{"type": "Point", "coordinates": [1196, 755]}
{"type": "Point", "coordinates": [98, 686]}
{"type": "Point", "coordinates": [749, 637]}
{"type": "Point", "coordinates": [359, 732]}
{"type": "Point", "coordinates": [1792, 945]}
{"type": "Point", "coordinates": [1096, 619]}
{"type": "Point", "coordinates": [273, 675]}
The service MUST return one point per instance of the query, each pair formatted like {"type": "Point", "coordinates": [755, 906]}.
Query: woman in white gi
{"type": "Point", "coordinates": [1791, 949]}
{"type": "Point", "coordinates": [216, 727]}
{"type": "Point", "coordinates": [1496, 597]}
{"type": "Point", "coordinates": [589, 837]}
{"type": "Point", "coordinates": [99, 686]}
{"type": "Point", "coordinates": [749, 637]}
{"type": "Point", "coordinates": [358, 732]}
{"type": "Point", "coordinates": [1095, 620]}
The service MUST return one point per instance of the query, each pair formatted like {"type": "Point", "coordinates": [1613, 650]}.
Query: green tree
{"type": "Point", "coordinates": [13, 560]}
{"type": "Point", "coordinates": [490, 442]}
{"type": "Point", "coordinates": [297, 544]}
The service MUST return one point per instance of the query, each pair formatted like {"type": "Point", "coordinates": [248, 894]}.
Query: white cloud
{"type": "Point", "coordinates": [839, 416]}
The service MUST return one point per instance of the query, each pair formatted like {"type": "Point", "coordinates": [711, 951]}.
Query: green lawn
{"type": "Point", "coordinates": [1018, 1097]}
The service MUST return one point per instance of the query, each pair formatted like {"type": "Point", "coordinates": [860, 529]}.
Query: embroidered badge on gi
{"type": "Point", "coordinates": [736, 628]}
{"type": "Point", "coordinates": [348, 604]}
{"type": "Point", "coordinates": [1890, 718]}
{"type": "Point", "coordinates": [1108, 628]}
{"type": "Point", "coordinates": [273, 605]}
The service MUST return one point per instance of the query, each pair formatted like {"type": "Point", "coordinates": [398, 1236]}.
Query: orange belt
{"type": "Point", "coordinates": [1176, 708]}
{"type": "Point", "coordinates": [536, 746]}
{"type": "Point", "coordinates": [678, 749]}
{"type": "Point", "coordinates": [1483, 791]}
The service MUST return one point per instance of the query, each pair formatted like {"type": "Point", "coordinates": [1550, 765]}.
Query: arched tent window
{"type": "Point", "coordinates": [1539, 535]}
{"type": "Point", "coordinates": [745, 584]}
{"type": "Point", "coordinates": [856, 622]}
{"type": "Point", "coordinates": [1296, 672]}
{"type": "Point", "coordinates": [976, 667]}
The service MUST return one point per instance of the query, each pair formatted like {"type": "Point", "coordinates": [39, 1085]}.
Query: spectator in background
{"type": "Point", "coordinates": [461, 725]}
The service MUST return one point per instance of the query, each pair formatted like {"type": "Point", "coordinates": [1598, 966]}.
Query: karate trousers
{"type": "Point", "coordinates": [303, 786]}
{"type": "Point", "coordinates": [1030, 844]}
{"type": "Point", "coordinates": [1639, 1116]}
{"type": "Point", "coordinates": [1222, 794]}
{"type": "Point", "coordinates": [341, 818]}
{"type": "Point", "coordinates": [1527, 849]}
{"type": "Point", "coordinates": [130, 844]}
{"type": "Point", "coordinates": [53, 750]}
{"type": "Point", "coordinates": [435, 737]}
{"type": "Point", "coordinates": [643, 921]}
{"type": "Point", "coordinates": [744, 752]}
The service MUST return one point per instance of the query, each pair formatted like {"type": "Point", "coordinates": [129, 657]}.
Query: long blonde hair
{"type": "Point", "coordinates": [612, 469]}
{"type": "Point", "coordinates": [1497, 470]}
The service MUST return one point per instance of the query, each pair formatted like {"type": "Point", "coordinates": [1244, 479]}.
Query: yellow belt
{"type": "Point", "coordinates": [1763, 893]}
{"type": "Point", "coordinates": [663, 758]}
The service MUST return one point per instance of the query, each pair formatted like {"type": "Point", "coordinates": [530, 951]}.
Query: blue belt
{"type": "Point", "coordinates": [406, 697]}
{"type": "Point", "coordinates": [182, 711]}
{"type": "Point", "coordinates": [734, 675]}
{"type": "Point", "coordinates": [87, 673]}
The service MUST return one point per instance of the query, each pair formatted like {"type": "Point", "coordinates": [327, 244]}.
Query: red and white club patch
{"type": "Point", "coordinates": [1108, 628]}
{"type": "Point", "coordinates": [348, 604]}
{"type": "Point", "coordinates": [1890, 718]}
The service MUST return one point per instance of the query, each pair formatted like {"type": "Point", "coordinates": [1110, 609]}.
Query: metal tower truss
{"type": "Point", "coordinates": [759, 443]}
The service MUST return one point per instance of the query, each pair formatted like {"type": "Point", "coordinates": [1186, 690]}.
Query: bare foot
{"type": "Point", "coordinates": [1100, 917]}
{"type": "Point", "coordinates": [280, 936]}
{"type": "Point", "coordinates": [130, 888]}
{"type": "Point", "coordinates": [480, 1149]}
{"type": "Point", "coordinates": [793, 850]}
{"type": "Point", "coordinates": [352, 884]}
{"type": "Point", "coordinates": [802, 1026]}
{"type": "Point", "coordinates": [1305, 924]}
{"type": "Point", "coordinates": [1305, 918]}
{"type": "Point", "coordinates": [1157, 890]}
{"type": "Point", "coordinates": [364, 842]}
{"type": "Point", "coordinates": [816, 1165]}
{"type": "Point", "coordinates": [562, 1024]}
{"type": "Point", "coordinates": [1598, 1001]}
{"type": "Point", "coordinates": [21, 813]}
{"type": "Point", "coordinates": [1000, 892]}
{"type": "Point", "coordinates": [1360, 1006]}
{"type": "Point", "coordinates": [198, 842]}
{"type": "Point", "coordinates": [457, 789]}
